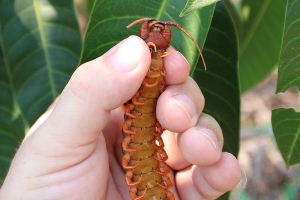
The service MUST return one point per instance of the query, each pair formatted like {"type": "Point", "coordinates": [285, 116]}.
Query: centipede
{"type": "Point", "coordinates": [144, 157]}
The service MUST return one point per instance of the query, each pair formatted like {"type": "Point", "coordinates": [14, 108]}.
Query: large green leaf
{"type": "Point", "coordinates": [261, 39]}
{"type": "Point", "coordinates": [42, 44]}
{"type": "Point", "coordinates": [286, 122]}
{"type": "Point", "coordinates": [219, 83]}
{"type": "Point", "coordinates": [40, 48]}
{"type": "Point", "coordinates": [286, 127]}
{"type": "Point", "coordinates": [108, 19]}
{"type": "Point", "coordinates": [289, 67]}
{"type": "Point", "coordinates": [193, 5]}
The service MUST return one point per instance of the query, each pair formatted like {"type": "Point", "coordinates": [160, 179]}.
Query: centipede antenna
{"type": "Point", "coordinates": [137, 21]}
{"type": "Point", "coordinates": [187, 34]}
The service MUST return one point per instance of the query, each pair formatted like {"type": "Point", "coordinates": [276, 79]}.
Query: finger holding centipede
{"type": "Point", "coordinates": [195, 151]}
{"type": "Point", "coordinates": [180, 110]}
{"type": "Point", "coordinates": [180, 106]}
{"type": "Point", "coordinates": [176, 66]}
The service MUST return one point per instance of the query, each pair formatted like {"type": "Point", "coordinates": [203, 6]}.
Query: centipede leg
{"type": "Point", "coordinates": [166, 53]}
{"type": "Point", "coordinates": [146, 84]}
{"type": "Point", "coordinates": [163, 169]}
{"type": "Point", "coordinates": [133, 191]}
{"type": "Point", "coordinates": [128, 178]}
{"type": "Point", "coordinates": [126, 130]}
{"type": "Point", "coordinates": [158, 129]}
{"type": "Point", "coordinates": [148, 75]}
{"type": "Point", "coordinates": [162, 87]}
{"type": "Point", "coordinates": [135, 101]}
{"type": "Point", "coordinates": [167, 182]}
{"type": "Point", "coordinates": [161, 155]}
{"type": "Point", "coordinates": [125, 143]}
{"type": "Point", "coordinates": [128, 108]}
{"type": "Point", "coordinates": [125, 161]}
{"type": "Point", "coordinates": [161, 144]}
{"type": "Point", "coordinates": [170, 195]}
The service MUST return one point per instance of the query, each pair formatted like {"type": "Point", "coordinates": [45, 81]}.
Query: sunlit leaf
{"type": "Point", "coordinates": [192, 5]}
{"type": "Point", "coordinates": [261, 39]}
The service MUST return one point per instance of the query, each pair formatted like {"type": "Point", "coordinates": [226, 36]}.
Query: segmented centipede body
{"type": "Point", "coordinates": [144, 155]}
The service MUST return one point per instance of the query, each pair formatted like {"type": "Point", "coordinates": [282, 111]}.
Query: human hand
{"type": "Point", "coordinates": [74, 149]}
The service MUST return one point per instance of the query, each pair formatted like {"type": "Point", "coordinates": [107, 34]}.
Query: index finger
{"type": "Point", "coordinates": [176, 67]}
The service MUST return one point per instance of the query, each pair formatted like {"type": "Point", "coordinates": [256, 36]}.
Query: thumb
{"type": "Point", "coordinates": [96, 88]}
{"type": "Point", "coordinates": [99, 86]}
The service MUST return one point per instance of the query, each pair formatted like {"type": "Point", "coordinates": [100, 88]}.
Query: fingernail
{"type": "Point", "coordinates": [126, 56]}
{"type": "Point", "coordinates": [186, 104]}
{"type": "Point", "coordinates": [212, 137]}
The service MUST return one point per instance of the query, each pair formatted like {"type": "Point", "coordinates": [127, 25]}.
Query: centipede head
{"type": "Point", "coordinates": [159, 33]}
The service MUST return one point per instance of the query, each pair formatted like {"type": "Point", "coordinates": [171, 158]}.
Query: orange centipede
{"type": "Point", "coordinates": [144, 156]}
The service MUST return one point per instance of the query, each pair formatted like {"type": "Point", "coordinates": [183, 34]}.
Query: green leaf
{"type": "Point", "coordinates": [235, 16]}
{"type": "Point", "coordinates": [192, 5]}
{"type": "Point", "coordinates": [11, 124]}
{"type": "Point", "coordinates": [286, 122]}
{"type": "Point", "coordinates": [40, 48]}
{"type": "Point", "coordinates": [261, 40]}
{"type": "Point", "coordinates": [289, 67]}
{"type": "Point", "coordinates": [109, 18]}
{"type": "Point", "coordinates": [219, 83]}
{"type": "Point", "coordinates": [41, 44]}
{"type": "Point", "coordinates": [286, 127]}
{"type": "Point", "coordinates": [90, 4]}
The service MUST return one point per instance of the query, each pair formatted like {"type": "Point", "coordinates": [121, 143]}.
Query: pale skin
{"type": "Point", "coordinates": [74, 150]}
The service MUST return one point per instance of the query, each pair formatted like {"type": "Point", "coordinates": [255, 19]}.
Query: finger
{"type": "Point", "coordinates": [176, 67]}
{"type": "Point", "coordinates": [209, 182]}
{"type": "Point", "coordinates": [83, 109]}
{"type": "Point", "coordinates": [180, 103]}
{"type": "Point", "coordinates": [200, 145]}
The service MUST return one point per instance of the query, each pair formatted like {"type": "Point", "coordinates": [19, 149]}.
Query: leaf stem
{"type": "Point", "coordinates": [162, 9]}
{"type": "Point", "coordinates": [45, 48]}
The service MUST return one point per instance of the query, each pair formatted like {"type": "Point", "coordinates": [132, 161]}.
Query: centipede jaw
{"type": "Point", "coordinates": [152, 21]}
